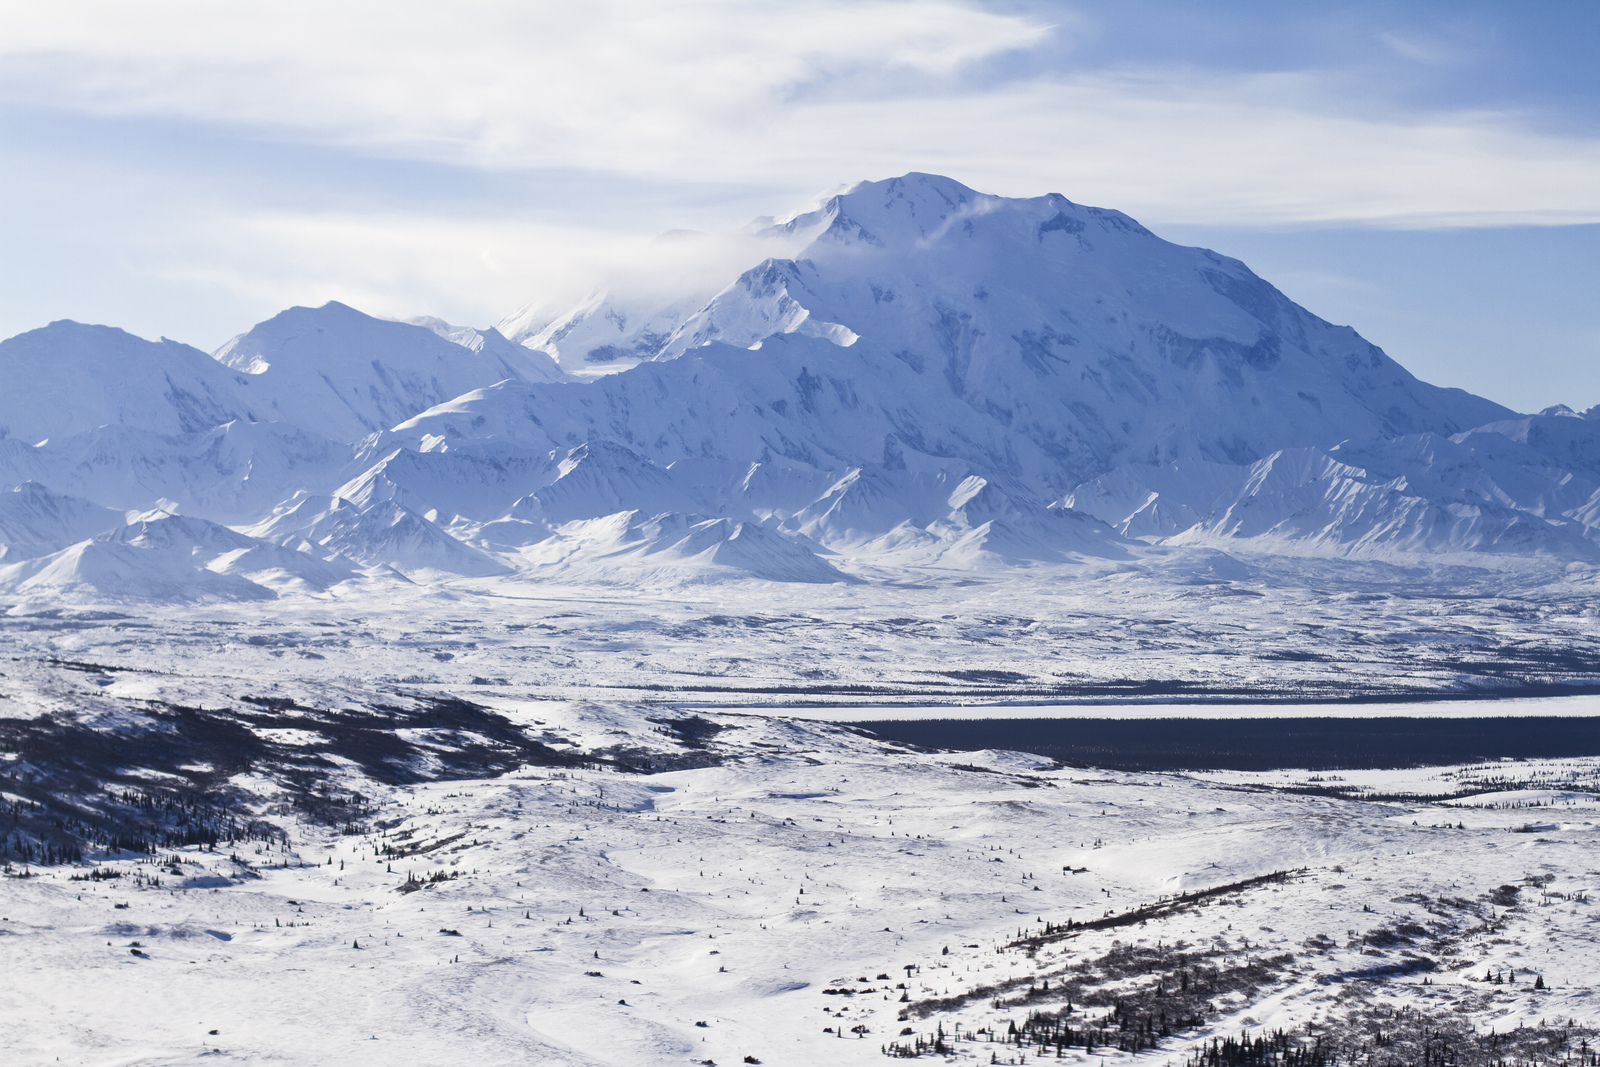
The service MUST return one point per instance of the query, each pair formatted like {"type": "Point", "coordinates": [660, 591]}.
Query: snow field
{"type": "Point", "coordinates": [734, 895]}
{"type": "Point", "coordinates": [1107, 639]}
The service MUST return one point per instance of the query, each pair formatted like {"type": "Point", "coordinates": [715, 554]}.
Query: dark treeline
{"type": "Point", "coordinates": [144, 822]}
{"type": "Point", "coordinates": [1270, 1049]}
{"type": "Point", "coordinates": [1160, 909]}
{"type": "Point", "coordinates": [1364, 1034]}
{"type": "Point", "coordinates": [1380, 1036]}
{"type": "Point", "coordinates": [1167, 969]}
{"type": "Point", "coordinates": [1385, 1036]}
{"type": "Point", "coordinates": [1129, 999]}
{"type": "Point", "coordinates": [77, 791]}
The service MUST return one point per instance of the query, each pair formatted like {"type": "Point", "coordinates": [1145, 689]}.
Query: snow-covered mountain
{"type": "Point", "coordinates": [604, 333]}
{"type": "Point", "coordinates": [525, 362]}
{"type": "Point", "coordinates": [67, 378]}
{"type": "Point", "coordinates": [349, 374]}
{"type": "Point", "coordinates": [1528, 486]}
{"type": "Point", "coordinates": [1067, 336]}
{"type": "Point", "coordinates": [382, 534]}
{"type": "Point", "coordinates": [929, 377]}
{"type": "Point", "coordinates": [35, 522]}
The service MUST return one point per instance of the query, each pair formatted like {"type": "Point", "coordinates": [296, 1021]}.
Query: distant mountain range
{"type": "Point", "coordinates": [930, 377]}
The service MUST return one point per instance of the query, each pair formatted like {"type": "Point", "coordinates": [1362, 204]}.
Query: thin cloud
{"type": "Point", "coordinates": [780, 94]}
{"type": "Point", "coordinates": [505, 83]}
{"type": "Point", "coordinates": [1419, 49]}
{"type": "Point", "coordinates": [768, 101]}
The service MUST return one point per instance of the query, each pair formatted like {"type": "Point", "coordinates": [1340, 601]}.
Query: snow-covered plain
{"type": "Point", "coordinates": [411, 693]}
{"type": "Point", "coordinates": [716, 913]}
{"type": "Point", "coordinates": [731, 864]}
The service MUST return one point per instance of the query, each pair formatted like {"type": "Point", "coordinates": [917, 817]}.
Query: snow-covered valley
{"type": "Point", "coordinates": [817, 897]}
{"type": "Point", "coordinates": [544, 855]}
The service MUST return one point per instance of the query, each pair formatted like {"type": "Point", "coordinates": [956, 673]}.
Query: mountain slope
{"type": "Point", "coordinates": [106, 568]}
{"type": "Point", "coordinates": [346, 374]}
{"type": "Point", "coordinates": [1527, 486]}
{"type": "Point", "coordinates": [36, 522]}
{"type": "Point", "coordinates": [68, 378]}
{"type": "Point", "coordinates": [603, 334]}
{"type": "Point", "coordinates": [382, 534]}
{"type": "Point", "coordinates": [526, 362]}
{"type": "Point", "coordinates": [1036, 340]}
{"type": "Point", "coordinates": [232, 472]}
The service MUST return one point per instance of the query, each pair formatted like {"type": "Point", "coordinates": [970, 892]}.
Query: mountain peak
{"type": "Point", "coordinates": [72, 377]}
{"type": "Point", "coordinates": [348, 374]}
{"type": "Point", "coordinates": [914, 194]}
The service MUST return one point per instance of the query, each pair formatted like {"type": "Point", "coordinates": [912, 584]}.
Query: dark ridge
{"type": "Point", "coordinates": [689, 731]}
{"type": "Point", "coordinates": [1159, 910]}
{"type": "Point", "coordinates": [76, 790]}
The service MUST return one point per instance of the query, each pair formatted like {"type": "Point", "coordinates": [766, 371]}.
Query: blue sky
{"type": "Point", "coordinates": [1426, 172]}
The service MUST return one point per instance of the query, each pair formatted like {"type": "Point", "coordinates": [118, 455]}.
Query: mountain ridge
{"type": "Point", "coordinates": [933, 377]}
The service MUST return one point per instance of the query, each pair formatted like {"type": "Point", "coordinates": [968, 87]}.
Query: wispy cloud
{"type": "Point", "coordinates": [778, 93]}
{"type": "Point", "coordinates": [763, 100]}
{"type": "Point", "coordinates": [501, 83]}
